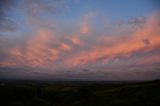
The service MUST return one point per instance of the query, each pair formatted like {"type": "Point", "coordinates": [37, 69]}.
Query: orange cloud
{"type": "Point", "coordinates": [134, 43]}
{"type": "Point", "coordinates": [85, 27]}
{"type": "Point", "coordinates": [65, 47]}
{"type": "Point", "coordinates": [38, 49]}
{"type": "Point", "coordinates": [75, 40]}
{"type": "Point", "coordinates": [14, 59]}
{"type": "Point", "coordinates": [36, 53]}
{"type": "Point", "coordinates": [45, 48]}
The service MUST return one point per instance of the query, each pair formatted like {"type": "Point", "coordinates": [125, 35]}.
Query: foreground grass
{"type": "Point", "coordinates": [128, 94]}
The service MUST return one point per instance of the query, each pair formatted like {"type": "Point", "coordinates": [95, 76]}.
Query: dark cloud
{"type": "Point", "coordinates": [146, 42]}
{"type": "Point", "coordinates": [32, 8]}
{"type": "Point", "coordinates": [6, 23]}
{"type": "Point", "coordinates": [138, 21]}
{"type": "Point", "coordinates": [42, 6]}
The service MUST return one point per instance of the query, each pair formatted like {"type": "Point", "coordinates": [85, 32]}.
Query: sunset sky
{"type": "Point", "coordinates": [80, 39]}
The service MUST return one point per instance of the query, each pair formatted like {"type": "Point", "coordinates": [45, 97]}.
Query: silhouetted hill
{"type": "Point", "coordinates": [146, 93]}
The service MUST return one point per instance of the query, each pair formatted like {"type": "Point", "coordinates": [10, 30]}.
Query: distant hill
{"type": "Point", "coordinates": [91, 93]}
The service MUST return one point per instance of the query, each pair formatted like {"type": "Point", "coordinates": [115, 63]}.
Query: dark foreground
{"type": "Point", "coordinates": [80, 94]}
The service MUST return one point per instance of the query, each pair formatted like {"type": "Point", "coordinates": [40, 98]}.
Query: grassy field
{"type": "Point", "coordinates": [80, 94]}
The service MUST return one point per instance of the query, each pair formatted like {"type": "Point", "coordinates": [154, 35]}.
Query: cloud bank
{"type": "Point", "coordinates": [117, 50]}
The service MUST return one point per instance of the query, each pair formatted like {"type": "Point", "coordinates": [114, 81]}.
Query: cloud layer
{"type": "Point", "coordinates": [106, 51]}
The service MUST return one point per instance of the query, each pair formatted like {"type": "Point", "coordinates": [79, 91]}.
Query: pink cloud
{"type": "Point", "coordinates": [46, 47]}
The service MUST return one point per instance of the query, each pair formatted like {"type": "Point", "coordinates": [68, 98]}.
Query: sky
{"type": "Point", "coordinates": [80, 39]}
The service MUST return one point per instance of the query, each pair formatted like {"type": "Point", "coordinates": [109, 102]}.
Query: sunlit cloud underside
{"type": "Point", "coordinates": [39, 37]}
